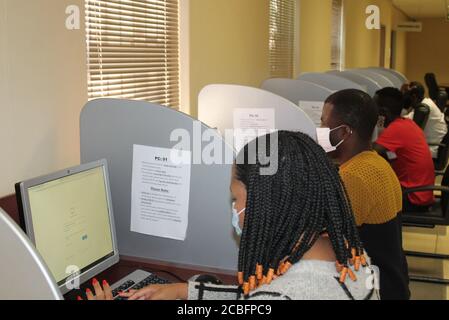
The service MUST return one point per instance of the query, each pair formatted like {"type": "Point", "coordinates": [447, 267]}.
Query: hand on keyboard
{"type": "Point", "coordinates": [101, 292]}
{"type": "Point", "coordinates": [158, 292]}
{"type": "Point", "coordinates": [131, 285]}
{"type": "Point", "coordinates": [106, 293]}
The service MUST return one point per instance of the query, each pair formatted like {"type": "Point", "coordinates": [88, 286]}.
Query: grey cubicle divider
{"type": "Point", "coordinates": [109, 129]}
{"type": "Point", "coordinates": [393, 72]}
{"type": "Point", "coordinates": [396, 80]}
{"type": "Point", "coordinates": [23, 273]}
{"type": "Point", "coordinates": [297, 90]}
{"type": "Point", "coordinates": [217, 103]}
{"type": "Point", "coordinates": [371, 85]}
{"type": "Point", "coordinates": [330, 81]}
{"type": "Point", "coordinates": [383, 81]}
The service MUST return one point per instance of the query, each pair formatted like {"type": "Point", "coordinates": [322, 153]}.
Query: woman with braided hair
{"type": "Point", "coordinates": [298, 235]}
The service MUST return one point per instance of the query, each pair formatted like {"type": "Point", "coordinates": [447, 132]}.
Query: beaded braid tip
{"type": "Point", "coordinates": [246, 288]}
{"type": "Point", "coordinates": [357, 263]}
{"type": "Point", "coordinates": [252, 283]}
{"type": "Point", "coordinates": [285, 267]}
{"type": "Point", "coordinates": [338, 266]}
{"type": "Point", "coordinates": [259, 272]}
{"type": "Point", "coordinates": [353, 254]}
{"type": "Point", "coordinates": [270, 276]}
{"type": "Point", "coordinates": [352, 275]}
{"type": "Point", "coordinates": [240, 278]}
{"type": "Point", "coordinates": [363, 260]}
{"type": "Point", "coordinates": [343, 274]}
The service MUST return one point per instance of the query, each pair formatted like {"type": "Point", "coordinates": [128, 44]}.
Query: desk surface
{"type": "Point", "coordinates": [169, 271]}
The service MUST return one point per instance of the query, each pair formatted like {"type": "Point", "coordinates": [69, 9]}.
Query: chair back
{"type": "Point", "coordinates": [432, 85]}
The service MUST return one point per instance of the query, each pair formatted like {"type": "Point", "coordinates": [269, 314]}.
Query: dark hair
{"type": "Point", "coordinates": [288, 211]}
{"type": "Point", "coordinates": [391, 99]}
{"type": "Point", "coordinates": [417, 89]}
{"type": "Point", "coordinates": [356, 109]}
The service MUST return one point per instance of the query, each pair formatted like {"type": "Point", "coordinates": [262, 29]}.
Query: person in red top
{"type": "Point", "coordinates": [404, 144]}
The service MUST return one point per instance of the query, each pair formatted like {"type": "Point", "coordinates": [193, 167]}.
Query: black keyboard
{"type": "Point", "coordinates": [128, 285]}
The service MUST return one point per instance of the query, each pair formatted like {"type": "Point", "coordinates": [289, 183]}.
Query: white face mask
{"type": "Point", "coordinates": [236, 220]}
{"type": "Point", "coordinates": [324, 139]}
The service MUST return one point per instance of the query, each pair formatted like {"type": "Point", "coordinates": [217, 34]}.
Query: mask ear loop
{"type": "Point", "coordinates": [350, 133]}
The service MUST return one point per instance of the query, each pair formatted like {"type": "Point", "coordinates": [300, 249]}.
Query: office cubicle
{"type": "Point", "coordinates": [112, 129]}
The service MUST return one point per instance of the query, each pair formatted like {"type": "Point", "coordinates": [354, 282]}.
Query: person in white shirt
{"type": "Point", "coordinates": [436, 127]}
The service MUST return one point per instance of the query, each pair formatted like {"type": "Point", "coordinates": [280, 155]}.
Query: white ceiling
{"type": "Point", "coordinates": [423, 8]}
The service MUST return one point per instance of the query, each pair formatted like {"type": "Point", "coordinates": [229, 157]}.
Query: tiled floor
{"type": "Point", "coordinates": [430, 268]}
{"type": "Point", "coordinates": [431, 240]}
{"type": "Point", "coordinates": [426, 291]}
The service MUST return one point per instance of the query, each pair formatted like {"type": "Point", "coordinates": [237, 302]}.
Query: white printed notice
{"type": "Point", "coordinates": [160, 192]}
{"type": "Point", "coordinates": [313, 109]}
{"type": "Point", "coordinates": [252, 123]}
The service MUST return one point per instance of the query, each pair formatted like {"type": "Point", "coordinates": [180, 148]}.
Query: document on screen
{"type": "Point", "coordinates": [160, 192]}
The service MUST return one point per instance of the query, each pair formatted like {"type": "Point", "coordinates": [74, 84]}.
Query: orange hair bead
{"type": "Point", "coordinates": [270, 276]}
{"type": "Point", "coordinates": [240, 278]}
{"type": "Point", "coordinates": [252, 282]}
{"type": "Point", "coordinates": [246, 288]}
{"type": "Point", "coordinates": [343, 275]}
{"type": "Point", "coordinates": [259, 272]}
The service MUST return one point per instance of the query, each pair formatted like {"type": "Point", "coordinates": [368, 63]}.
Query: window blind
{"type": "Point", "coordinates": [133, 50]}
{"type": "Point", "coordinates": [282, 38]}
{"type": "Point", "coordinates": [337, 55]}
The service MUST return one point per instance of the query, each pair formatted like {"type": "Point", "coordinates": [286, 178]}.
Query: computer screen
{"type": "Point", "coordinates": [70, 221]}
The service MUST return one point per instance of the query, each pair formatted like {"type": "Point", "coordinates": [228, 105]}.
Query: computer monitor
{"type": "Point", "coordinates": [69, 218]}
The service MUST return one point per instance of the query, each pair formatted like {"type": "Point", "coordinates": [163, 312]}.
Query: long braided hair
{"type": "Point", "coordinates": [286, 212]}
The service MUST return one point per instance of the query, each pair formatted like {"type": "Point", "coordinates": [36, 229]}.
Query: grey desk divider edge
{"type": "Point", "coordinates": [395, 73]}
{"type": "Point", "coordinates": [381, 79]}
{"type": "Point", "coordinates": [109, 129]}
{"type": "Point", "coordinates": [23, 273]}
{"type": "Point", "coordinates": [392, 76]}
{"type": "Point", "coordinates": [371, 85]}
{"type": "Point", "coordinates": [297, 90]}
{"type": "Point", "coordinates": [330, 81]}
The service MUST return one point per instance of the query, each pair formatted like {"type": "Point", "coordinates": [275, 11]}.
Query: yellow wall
{"type": "Point", "coordinates": [228, 44]}
{"type": "Point", "coordinates": [315, 35]}
{"type": "Point", "coordinates": [401, 42]}
{"type": "Point", "coordinates": [42, 89]}
{"type": "Point", "coordinates": [428, 51]}
{"type": "Point", "coordinates": [362, 44]}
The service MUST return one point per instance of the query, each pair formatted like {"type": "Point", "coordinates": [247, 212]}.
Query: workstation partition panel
{"type": "Point", "coordinates": [393, 77]}
{"type": "Point", "coordinates": [383, 81]}
{"type": "Point", "coordinates": [330, 81]}
{"type": "Point", "coordinates": [393, 72]}
{"type": "Point", "coordinates": [297, 90]}
{"type": "Point", "coordinates": [109, 130]}
{"type": "Point", "coordinates": [370, 84]}
{"type": "Point", "coordinates": [23, 273]}
{"type": "Point", "coordinates": [218, 105]}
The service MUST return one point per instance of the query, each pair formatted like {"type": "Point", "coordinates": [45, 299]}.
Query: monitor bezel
{"type": "Point", "coordinates": [27, 220]}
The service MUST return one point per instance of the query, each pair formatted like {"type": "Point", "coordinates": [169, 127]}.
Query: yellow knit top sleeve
{"type": "Point", "coordinates": [373, 188]}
